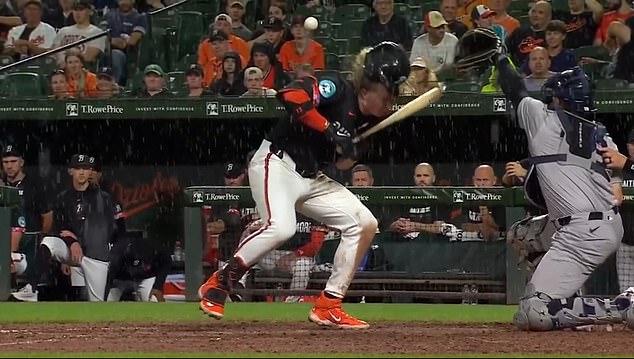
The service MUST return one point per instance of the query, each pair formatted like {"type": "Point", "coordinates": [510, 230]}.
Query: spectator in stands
{"type": "Point", "coordinates": [581, 22]}
{"type": "Point", "coordinates": [59, 85]}
{"type": "Point", "coordinates": [528, 36]}
{"type": "Point", "coordinates": [624, 58]}
{"type": "Point", "coordinates": [236, 11]}
{"type": "Point", "coordinates": [127, 27]}
{"type": "Point", "coordinates": [302, 50]}
{"type": "Point", "coordinates": [210, 55]}
{"type": "Point", "coordinates": [619, 10]}
{"type": "Point", "coordinates": [81, 30]}
{"type": "Point", "coordinates": [561, 59]}
{"type": "Point", "coordinates": [448, 9]}
{"type": "Point", "coordinates": [230, 83]}
{"type": "Point", "coordinates": [480, 223]}
{"type": "Point", "coordinates": [60, 16]}
{"type": "Point", "coordinates": [420, 80]}
{"type": "Point", "coordinates": [465, 8]}
{"type": "Point", "coordinates": [262, 56]}
{"type": "Point", "coordinates": [8, 18]}
{"type": "Point", "coordinates": [81, 82]}
{"type": "Point", "coordinates": [235, 174]}
{"type": "Point", "coordinates": [194, 79]}
{"type": "Point", "coordinates": [502, 17]}
{"type": "Point", "coordinates": [32, 38]}
{"type": "Point", "coordinates": [154, 82]}
{"type": "Point", "coordinates": [386, 26]}
{"type": "Point", "coordinates": [482, 16]}
{"type": "Point", "coordinates": [273, 29]}
{"type": "Point", "coordinates": [223, 22]}
{"type": "Point", "coordinates": [539, 65]}
{"type": "Point", "coordinates": [107, 87]}
{"type": "Point", "coordinates": [362, 176]}
{"type": "Point", "coordinates": [419, 219]}
{"type": "Point", "coordinates": [493, 85]}
{"type": "Point", "coordinates": [254, 82]}
{"type": "Point", "coordinates": [437, 46]}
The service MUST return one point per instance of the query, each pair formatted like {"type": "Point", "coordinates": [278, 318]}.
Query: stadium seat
{"type": "Point", "coordinates": [162, 19]}
{"type": "Point", "coordinates": [518, 5]}
{"type": "Point", "coordinates": [351, 11]}
{"type": "Point", "coordinates": [354, 45]}
{"type": "Point", "coordinates": [610, 84]}
{"type": "Point", "coordinates": [325, 29]}
{"type": "Point", "coordinates": [328, 43]}
{"type": "Point", "coordinates": [327, 72]}
{"type": "Point", "coordinates": [332, 61]}
{"type": "Point", "coordinates": [183, 63]}
{"type": "Point", "coordinates": [190, 27]}
{"type": "Point", "coordinates": [342, 46]}
{"type": "Point", "coordinates": [176, 82]}
{"type": "Point", "coordinates": [559, 5]}
{"type": "Point", "coordinates": [23, 85]}
{"type": "Point", "coordinates": [401, 9]}
{"type": "Point", "coordinates": [352, 28]}
{"type": "Point", "coordinates": [460, 86]}
{"type": "Point", "coordinates": [597, 52]}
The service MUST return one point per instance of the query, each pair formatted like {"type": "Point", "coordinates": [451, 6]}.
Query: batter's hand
{"type": "Point", "coordinates": [76, 254]}
{"type": "Point", "coordinates": [158, 294]}
{"type": "Point", "coordinates": [612, 158]}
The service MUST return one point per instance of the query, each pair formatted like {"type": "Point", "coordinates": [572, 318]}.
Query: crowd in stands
{"type": "Point", "coordinates": [540, 38]}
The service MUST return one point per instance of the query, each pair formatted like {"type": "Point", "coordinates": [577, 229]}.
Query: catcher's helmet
{"type": "Point", "coordinates": [388, 64]}
{"type": "Point", "coordinates": [572, 87]}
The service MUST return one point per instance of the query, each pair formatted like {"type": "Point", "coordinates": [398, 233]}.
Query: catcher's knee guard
{"type": "Point", "coordinates": [541, 313]}
{"type": "Point", "coordinates": [531, 238]}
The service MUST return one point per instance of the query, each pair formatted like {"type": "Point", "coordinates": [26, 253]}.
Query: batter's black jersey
{"type": "Point", "coordinates": [93, 217]}
{"type": "Point", "coordinates": [332, 97]}
{"type": "Point", "coordinates": [34, 203]}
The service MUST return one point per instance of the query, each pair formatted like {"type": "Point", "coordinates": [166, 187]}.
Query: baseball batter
{"type": "Point", "coordinates": [569, 179]}
{"type": "Point", "coordinates": [286, 175]}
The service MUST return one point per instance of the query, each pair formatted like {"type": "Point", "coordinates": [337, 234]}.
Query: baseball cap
{"type": "Point", "coordinates": [253, 70]}
{"type": "Point", "coordinates": [194, 69]}
{"type": "Point", "coordinates": [105, 72]}
{"type": "Point", "coordinates": [223, 17]}
{"type": "Point", "coordinates": [419, 62]}
{"type": "Point", "coordinates": [81, 161]}
{"type": "Point", "coordinates": [233, 169]}
{"type": "Point", "coordinates": [153, 69]}
{"type": "Point", "coordinates": [82, 4]}
{"type": "Point", "coordinates": [236, 3]}
{"type": "Point", "coordinates": [96, 164]}
{"type": "Point", "coordinates": [11, 151]}
{"type": "Point", "coordinates": [481, 12]}
{"type": "Point", "coordinates": [218, 35]}
{"type": "Point", "coordinates": [298, 20]}
{"type": "Point", "coordinates": [434, 19]}
{"type": "Point", "coordinates": [274, 23]}
{"type": "Point", "coordinates": [33, 2]}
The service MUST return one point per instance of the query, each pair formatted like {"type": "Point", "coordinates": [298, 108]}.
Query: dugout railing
{"type": "Point", "coordinates": [426, 267]}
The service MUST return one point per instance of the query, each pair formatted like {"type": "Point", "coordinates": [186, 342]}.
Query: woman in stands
{"type": "Point", "coordinates": [230, 84]}
{"type": "Point", "coordinates": [81, 82]}
{"type": "Point", "coordinates": [59, 85]}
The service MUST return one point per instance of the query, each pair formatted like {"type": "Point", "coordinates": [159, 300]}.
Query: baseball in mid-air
{"type": "Point", "coordinates": [311, 23]}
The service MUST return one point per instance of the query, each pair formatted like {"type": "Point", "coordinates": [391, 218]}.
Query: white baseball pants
{"type": "Point", "coordinates": [91, 273]}
{"type": "Point", "coordinates": [279, 191]}
{"type": "Point", "coordinates": [142, 288]}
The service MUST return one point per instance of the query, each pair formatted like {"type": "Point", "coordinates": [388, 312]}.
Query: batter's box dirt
{"type": "Point", "coordinates": [266, 337]}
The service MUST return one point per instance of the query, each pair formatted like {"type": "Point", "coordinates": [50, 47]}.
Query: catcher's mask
{"type": "Point", "coordinates": [573, 88]}
{"type": "Point", "coordinates": [476, 47]}
{"type": "Point", "coordinates": [388, 64]}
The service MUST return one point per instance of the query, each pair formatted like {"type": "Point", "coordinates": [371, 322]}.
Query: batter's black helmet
{"type": "Point", "coordinates": [573, 87]}
{"type": "Point", "coordinates": [388, 64]}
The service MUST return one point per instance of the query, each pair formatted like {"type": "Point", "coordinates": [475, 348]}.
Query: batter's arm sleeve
{"type": "Point", "coordinates": [299, 99]}
{"type": "Point", "coordinates": [510, 81]}
{"type": "Point", "coordinates": [310, 249]}
{"type": "Point", "coordinates": [163, 264]}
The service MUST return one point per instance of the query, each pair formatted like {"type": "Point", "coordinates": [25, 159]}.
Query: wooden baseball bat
{"type": "Point", "coordinates": [411, 108]}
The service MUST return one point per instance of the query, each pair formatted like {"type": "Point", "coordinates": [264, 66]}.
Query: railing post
{"type": "Point", "coordinates": [5, 250]}
{"type": "Point", "coordinates": [515, 277]}
{"type": "Point", "coordinates": [193, 252]}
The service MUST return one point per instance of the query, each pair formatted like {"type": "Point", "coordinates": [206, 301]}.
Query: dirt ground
{"type": "Point", "coordinates": [389, 338]}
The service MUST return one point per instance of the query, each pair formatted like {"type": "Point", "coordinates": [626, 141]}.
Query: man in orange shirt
{"type": "Point", "coordinates": [502, 18]}
{"type": "Point", "coordinates": [302, 50]}
{"type": "Point", "coordinates": [620, 10]}
{"type": "Point", "coordinates": [210, 55]}
{"type": "Point", "coordinates": [206, 52]}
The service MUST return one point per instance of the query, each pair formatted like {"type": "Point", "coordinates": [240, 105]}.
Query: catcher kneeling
{"type": "Point", "coordinates": [567, 179]}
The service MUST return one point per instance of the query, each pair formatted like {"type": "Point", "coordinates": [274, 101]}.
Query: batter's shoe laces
{"type": "Point", "coordinates": [328, 312]}
{"type": "Point", "coordinates": [212, 297]}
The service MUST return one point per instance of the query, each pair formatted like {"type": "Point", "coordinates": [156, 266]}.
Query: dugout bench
{"type": "Point", "coordinates": [446, 284]}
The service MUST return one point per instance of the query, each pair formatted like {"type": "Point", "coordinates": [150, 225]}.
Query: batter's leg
{"type": "Point", "coordinates": [96, 275]}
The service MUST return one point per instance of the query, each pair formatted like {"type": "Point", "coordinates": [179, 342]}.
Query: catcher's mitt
{"type": "Point", "coordinates": [477, 48]}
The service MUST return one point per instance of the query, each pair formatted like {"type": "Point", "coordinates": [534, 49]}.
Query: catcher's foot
{"type": "Point", "coordinates": [212, 297]}
{"type": "Point", "coordinates": [327, 312]}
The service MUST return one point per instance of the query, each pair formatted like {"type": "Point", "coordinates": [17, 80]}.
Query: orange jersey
{"type": "Point", "coordinates": [207, 56]}
{"type": "Point", "coordinates": [463, 14]}
{"type": "Point", "coordinates": [89, 91]}
{"type": "Point", "coordinates": [606, 20]}
{"type": "Point", "coordinates": [509, 23]}
{"type": "Point", "coordinates": [313, 54]}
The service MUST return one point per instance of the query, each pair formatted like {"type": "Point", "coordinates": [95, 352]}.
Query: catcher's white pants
{"type": "Point", "coordinates": [279, 191]}
{"type": "Point", "coordinates": [91, 273]}
{"type": "Point", "coordinates": [143, 288]}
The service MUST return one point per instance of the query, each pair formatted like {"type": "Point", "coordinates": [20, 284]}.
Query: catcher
{"type": "Point", "coordinates": [568, 179]}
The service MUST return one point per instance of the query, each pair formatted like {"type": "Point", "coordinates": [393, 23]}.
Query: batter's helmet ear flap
{"type": "Point", "coordinates": [388, 64]}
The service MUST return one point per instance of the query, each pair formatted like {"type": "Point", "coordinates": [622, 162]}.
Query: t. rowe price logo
{"type": "Point", "coordinates": [362, 198]}
{"type": "Point", "coordinates": [248, 108]}
{"type": "Point", "coordinates": [90, 109]}
{"type": "Point", "coordinates": [462, 196]}
{"type": "Point", "coordinates": [222, 197]}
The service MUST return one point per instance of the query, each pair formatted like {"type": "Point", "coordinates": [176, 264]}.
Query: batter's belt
{"type": "Point", "coordinates": [592, 216]}
{"type": "Point", "coordinates": [279, 152]}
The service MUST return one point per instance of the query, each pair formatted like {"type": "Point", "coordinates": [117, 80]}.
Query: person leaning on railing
{"type": "Point", "coordinates": [81, 82]}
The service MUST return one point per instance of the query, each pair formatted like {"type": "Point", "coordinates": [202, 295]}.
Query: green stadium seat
{"type": "Point", "coordinates": [328, 43]}
{"type": "Point", "coordinates": [559, 5]}
{"type": "Point", "coordinates": [460, 86]}
{"type": "Point", "coordinates": [162, 19]}
{"type": "Point", "coordinates": [597, 52]}
{"type": "Point", "coordinates": [610, 84]}
{"type": "Point", "coordinates": [23, 85]}
{"type": "Point", "coordinates": [187, 60]}
{"type": "Point", "coordinates": [332, 61]}
{"type": "Point", "coordinates": [210, 8]}
{"type": "Point", "coordinates": [401, 9]}
{"type": "Point", "coordinates": [518, 5]}
{"type": "Point", "coordinates": [346, 75]}
{"type": "Point", "coordinates": [352, 28]}
{"type": "Point", "coordinates": [325, 29]}
{"type": "Point", "coordinates": [343, 46]}
{"type": "Point", "coordinates": [176, 82]}
{"type": "Point", "coordinates": [351, 11]}
{"type": "Point", "coordinates": [190, 28]}
{"type": "Point", "coordinates": [354, 46]}
{"type": "Point", "coordinates": [417, 12]}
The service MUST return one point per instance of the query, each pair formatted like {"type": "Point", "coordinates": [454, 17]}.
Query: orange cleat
{"type": "Point", "coordinates": [327, 312]}
{"type": "Point", "coordinates": [212, 297]}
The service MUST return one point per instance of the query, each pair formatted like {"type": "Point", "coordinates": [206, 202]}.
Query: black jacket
{"type": "Point", "coordinates": [93, 217]}
{"type": "Point", "coordinates": [137, 259]}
